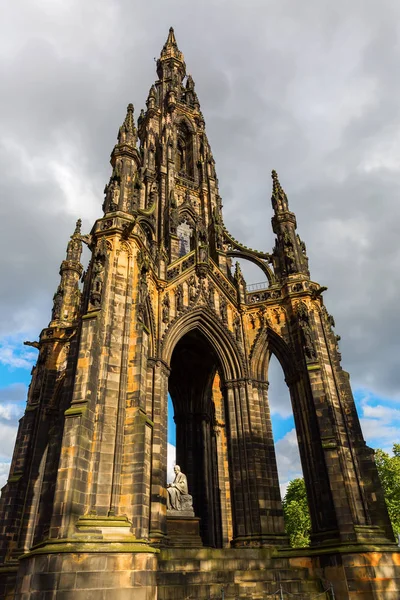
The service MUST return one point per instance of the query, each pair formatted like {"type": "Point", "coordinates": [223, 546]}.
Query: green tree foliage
{"type": "Point", "coordinates": [297, 515]}
{"type": "Point", "coordinates": [295, 506]}
{"type": "Point", "coordinates": [389, 473]}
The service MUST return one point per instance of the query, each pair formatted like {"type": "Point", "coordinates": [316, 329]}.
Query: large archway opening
{"type": "Point", "coordinates": [197, 401]}
{"type": "Point", "coordinates": [290, 471]}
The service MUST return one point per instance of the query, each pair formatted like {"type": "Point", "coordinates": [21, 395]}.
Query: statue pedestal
{"type": "Point", "coordinates": [183, 529]}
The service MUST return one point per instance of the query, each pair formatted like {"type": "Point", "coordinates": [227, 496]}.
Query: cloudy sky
{"type": "Point", "coordinates": [309, 88]}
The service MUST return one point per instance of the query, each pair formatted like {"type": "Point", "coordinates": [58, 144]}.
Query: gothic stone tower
{"type": "Point", "coordinates": [83, 513]}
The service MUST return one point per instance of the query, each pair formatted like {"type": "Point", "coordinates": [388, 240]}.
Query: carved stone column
{"type": "Point", "coordinates": [158, 506]}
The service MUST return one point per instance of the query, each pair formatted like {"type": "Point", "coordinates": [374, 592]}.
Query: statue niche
{"type": "Point", "coordinates": [184, 152]}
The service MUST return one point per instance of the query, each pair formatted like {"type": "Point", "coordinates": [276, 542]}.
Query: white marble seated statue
{"type": "Point", "coordinates": [178, 497]}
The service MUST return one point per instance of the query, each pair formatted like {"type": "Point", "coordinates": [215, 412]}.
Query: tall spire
{"type": "Point", "coordinates": [289, 256]}
{"type": "Point", "coordinates": [171, 40]}
{"type": "Point", "coordinates": [66, 300]}
{"type": "Point", "coordinates": [125, 159]}
{"type": "Point", "coordinates": [171, 59]}
{"type": "Point", "coordinates": [170, 48]}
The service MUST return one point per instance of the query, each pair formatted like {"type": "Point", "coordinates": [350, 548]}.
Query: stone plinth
{"type": "Point", "coordinates": [183, 530]}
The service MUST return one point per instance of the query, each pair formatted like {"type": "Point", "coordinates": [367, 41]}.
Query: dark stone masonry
{"type": "Point", "coordinates": [84, 510]}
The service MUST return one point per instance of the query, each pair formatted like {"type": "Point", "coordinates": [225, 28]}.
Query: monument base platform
{"type": "Point", "coordinates": [70, 570]}
{"type": "Point", "coordinates": [183, 531]}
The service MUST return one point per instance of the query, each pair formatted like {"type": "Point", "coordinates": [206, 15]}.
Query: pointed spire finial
{"type": "Point", "coordinates": [74, 248]}
{"type": "Point", "coordinates": [127, 132]}
{"type": "Point", "coordinates": [279, 198]}
{"type": "Point", "coordinates": [171, 40]}
{"type": "Point", "coordinates": [78, 227]}
{"type": "Point", "coordinates": [170, 48]}
{"type": "Point", "coordinates": [238, 271]}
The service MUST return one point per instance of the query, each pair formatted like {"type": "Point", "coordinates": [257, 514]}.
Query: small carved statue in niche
{"type": "Point", "coordinates": [170, 147]}
{"type": "Point", "coordinates": [151, 156]}
{"type": "Point", "coordinates": [192, 288]}
{"type": "Point", "coordinates": [143, 261]}
{"type": "Point", "coordinates": [143, 289]}
{"type": "Point", "coordinates": [211, 294]}
{"type": "Point", "coordinates": [201, 232]}
{"type": "Point", "coordinates": [57, 303]}
{"type": "Point", "coordinates": [154, 251]}
{"type": "Point", "coordinates": [165, 308]}
{"type": "Point", "coordinates": [290, 260]}
{"type": "Point", "coordinates": [178, 497]}
{"type": "Point", "coordinates": [98, 274]}
{"type": "Point", "coordinates": [179, 298]}
{"type": "Point", "coordinates": [153, 195]}
{"type": "Point", "coordinates": [223, 306]}
{"type": "Point", "coordinates": [262, 317]}
{"type": "Point", "coordinates": [174, 214]}
{"type": "Point", "coordinates": [117, 170]}
{"type": "Point", "coordinates": [237, 328]}
{"type": "Point", "coordinates": [77, 302]}
{"type": "Point", "coordinates": [277, 315]}
{"type": "Point", "coordinates": [252, 320]}
{"type": "Point", "coordinates": [63, 357]}
{"type": "Point", "coordinates": [112, 195]}
{"type": "Point", "coordinates": [308, 340]}
{"type": "Point", "coordinates": [135, 190]}
{"type": "Point", "coordinates": [116, 193]}
{"type": "Point", "coordinates": [218, 230]}
{"type": "Point", "coordinates": [203, 254]}
{"type": "Point", "coordinates": [143, 293]}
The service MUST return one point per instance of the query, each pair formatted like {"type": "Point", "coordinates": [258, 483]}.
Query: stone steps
{"type": "Point", "coordinates": [212, 564]}
{"type": "Point", "coordinates": [242, 573]}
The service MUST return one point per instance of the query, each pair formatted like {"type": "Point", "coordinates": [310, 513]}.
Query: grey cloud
{"type": "Point", "coordinates": [13, 393]}
{"type": "Point", "coordinates": [309, 88]}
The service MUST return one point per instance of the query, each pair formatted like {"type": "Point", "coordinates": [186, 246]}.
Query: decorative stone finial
{"type": "Point", "coordinates": [279, 198]}
{"type": "Point", "coordinates": [238, 271]}
{"type": "Point", "coordinates": [190, 83]}
{"type": "Point", "coordinates": [171, 40]}
{"type": "Point", "coordinates": [78, 227]}
{"type": "Point", "coordinates": [170, 48]}
{"type": "Point", "coordinates": [127, 132]}
{"type": "Point", "coordinates": [151, 98]}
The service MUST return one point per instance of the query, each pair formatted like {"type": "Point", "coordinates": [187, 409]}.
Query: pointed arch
{"type": "Point", "coordinates": [187, 212]}
{"type": "Point", "coordinates": [267, 342]}
{"type": "Point", "coordinates": [184, 121]}
{"type": "Point", "coordinates": [221, 339]}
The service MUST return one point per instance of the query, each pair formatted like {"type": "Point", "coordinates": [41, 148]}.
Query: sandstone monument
{"type": "Point", "coordinates": [163, 309]}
